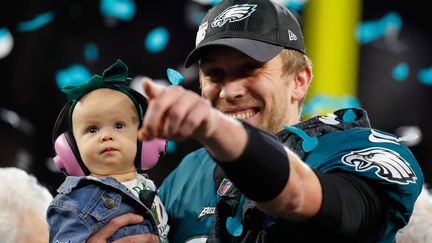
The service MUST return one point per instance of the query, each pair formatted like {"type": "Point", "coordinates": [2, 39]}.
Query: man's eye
{"type": "Point", "coordinates": [249, 68]}
{"type": "Point", "coordinates": [119, 125]}
{"type": "Point", "coordinates": [215, 73]}
{"type": "Point", "coordinates": [93, 129]}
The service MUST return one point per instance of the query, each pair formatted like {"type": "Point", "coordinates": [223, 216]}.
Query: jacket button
{"type": "Point", "coordinates": [109, 203]}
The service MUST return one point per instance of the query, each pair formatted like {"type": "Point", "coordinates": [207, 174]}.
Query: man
{"type": "Point", "coordinates": [329, 178]}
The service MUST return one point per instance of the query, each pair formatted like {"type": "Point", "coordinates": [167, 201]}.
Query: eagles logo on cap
{"type": "Point", "coordinates": [233, 14]}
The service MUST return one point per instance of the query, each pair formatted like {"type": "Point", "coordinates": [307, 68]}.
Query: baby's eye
{"type": "Point", "coordinates": [119, 125]}
{"type": "Point", "coordinates": [92, 129]}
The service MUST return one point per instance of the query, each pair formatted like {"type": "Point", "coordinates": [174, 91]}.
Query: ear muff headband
{"type": "Point", "coordinates": [59, 120]}
{"type": "Point", "coordinates": [68, 159]}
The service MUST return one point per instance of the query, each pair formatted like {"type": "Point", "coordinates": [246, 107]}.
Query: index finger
{"type": "Point", "coordinates": [115, 224]}
{"type": "Point", "coordinates": [151, 89]}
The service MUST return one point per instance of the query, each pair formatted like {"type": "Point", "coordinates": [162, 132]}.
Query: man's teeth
{"type": "Point", "coordinates": [241, 115]}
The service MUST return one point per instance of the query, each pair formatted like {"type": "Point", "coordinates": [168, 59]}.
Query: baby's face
{"type": "Point", "coordinates": [105, 127]}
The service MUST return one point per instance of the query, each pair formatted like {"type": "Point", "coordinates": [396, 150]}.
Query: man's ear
{"type": "Point", "coordinates": [301, 84]}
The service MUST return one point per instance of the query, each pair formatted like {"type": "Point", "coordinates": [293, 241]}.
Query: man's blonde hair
{"type": "Point", "coordinates": [294, 61]}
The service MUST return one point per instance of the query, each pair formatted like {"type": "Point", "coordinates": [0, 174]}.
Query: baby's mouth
{"type": "Point", "coordinates": [109, 149]}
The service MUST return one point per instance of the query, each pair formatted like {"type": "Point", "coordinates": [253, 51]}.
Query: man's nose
{"type": "Point", "coordinates": [232, 90]}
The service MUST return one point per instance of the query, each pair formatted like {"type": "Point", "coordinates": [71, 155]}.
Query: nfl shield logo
{"type": "Point", "coordinates": [224, 187]}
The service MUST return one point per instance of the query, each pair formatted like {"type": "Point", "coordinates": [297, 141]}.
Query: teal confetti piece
{"type": "Point", "coordinates": [425, 76]}
{"type": "Point", "coordinates": [4, 32]}
{"type": "Point", "coordinates": [401, 71]}
{"type": "Point", "coordinates": [309, 143]}
{"type": "Point", "coordinates": [157, 40]}
{"type": "Point", "coordinates": [171, 147]}
{"type": "Point", "coordinates": [36, 23]}
{"type": "Point", "coordinates": [174, 76]}
{"type": "Point", "coordinates": [120, 9]}
{"type": "Point", "coordinates": [6, 42]}
{"type": "Point", "coordinates": [91, 52]}
{"type": "Point", "coordinates": [349, 116]}
{"type": "Point", "coordinates": [296, 5]}
{"type": "Point", "coordinates": [214, 2]}
{"type": "Point", "coordinates": [233, 224]}
{"type": "Point", "coordinates": [369, 31]}
{"type": "Point", "coordinates": [72, 75]}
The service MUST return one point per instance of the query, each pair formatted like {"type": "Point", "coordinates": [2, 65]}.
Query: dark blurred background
{"type": "Point", "coordinates": [45, 45]}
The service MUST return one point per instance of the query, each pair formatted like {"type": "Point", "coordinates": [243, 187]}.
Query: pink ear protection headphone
{"type": "Point", "coordinates": [68, 159]}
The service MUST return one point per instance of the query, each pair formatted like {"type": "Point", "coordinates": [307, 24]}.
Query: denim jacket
{"type": "Point", "coordinates": [84, 205]}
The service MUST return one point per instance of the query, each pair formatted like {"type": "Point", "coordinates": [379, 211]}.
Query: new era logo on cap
{"type": "Point", "coordinates": [292, 36]}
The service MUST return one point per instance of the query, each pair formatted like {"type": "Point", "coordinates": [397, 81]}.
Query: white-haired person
{"type": "Point", "coordinates": [419, 228]}
{"type": "Point", "coordinates": [23, 207]}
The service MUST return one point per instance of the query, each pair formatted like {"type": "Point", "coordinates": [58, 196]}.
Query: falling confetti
{"type": "Point", "coordinates": [6, 42]}
{"type": "Point", "coordinates": [91, 52]}
{"type": "Point", "coordinates": [73, 75]}
{"type": "Point", "coordinates": [36, 23]}
{"type": "Point", "coordinates": [369, 31]}
{"type": "Point", "coordinates": [401, 71]}
{"type": "Point", "coordinates": [157, 40]}
{"type": "Point", "coordinates": [174, 77]}
{"type": "Point", "coordinates": [309, 143]}
{"type": "Point", "coordinates": [119, 9]}
{"type": "Point", "coordinates": [425, 76]}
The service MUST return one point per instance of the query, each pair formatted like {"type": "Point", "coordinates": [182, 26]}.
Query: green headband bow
{"type": "Point", "coordinates": [116, 74]}
{"type": "Point", "coordinates": [114, 77]}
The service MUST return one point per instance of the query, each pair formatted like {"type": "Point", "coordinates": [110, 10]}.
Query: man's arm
{"type": "Point", "coordinates": [301, 197]}
{"type": "Point", "coordinates": [177, 114]}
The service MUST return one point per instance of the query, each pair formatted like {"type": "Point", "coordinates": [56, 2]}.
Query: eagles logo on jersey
{"type": "Point", "coordinates": [391, 166]}
{"type": "Point", "coordinates": [233, 14]}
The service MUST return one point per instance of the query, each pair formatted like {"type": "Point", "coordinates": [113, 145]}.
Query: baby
{"type": "Point", "coordinates": [104, 116]}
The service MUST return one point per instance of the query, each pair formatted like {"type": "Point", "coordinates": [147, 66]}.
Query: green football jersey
{"type": "Point", "coordinates": [342, 141]}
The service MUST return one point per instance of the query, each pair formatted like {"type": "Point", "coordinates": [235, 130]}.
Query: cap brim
{"type": "Point", "coordinates": [257, 50]}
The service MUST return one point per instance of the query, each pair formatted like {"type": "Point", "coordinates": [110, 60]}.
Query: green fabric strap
{"type": "Point", "coordinates": [114, 77]}
{"type": "Point", "coordinates": [114, 74]}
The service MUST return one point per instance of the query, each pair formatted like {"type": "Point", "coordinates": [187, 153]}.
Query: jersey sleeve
{"type": "Point", "coordinates": [379, 158]}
